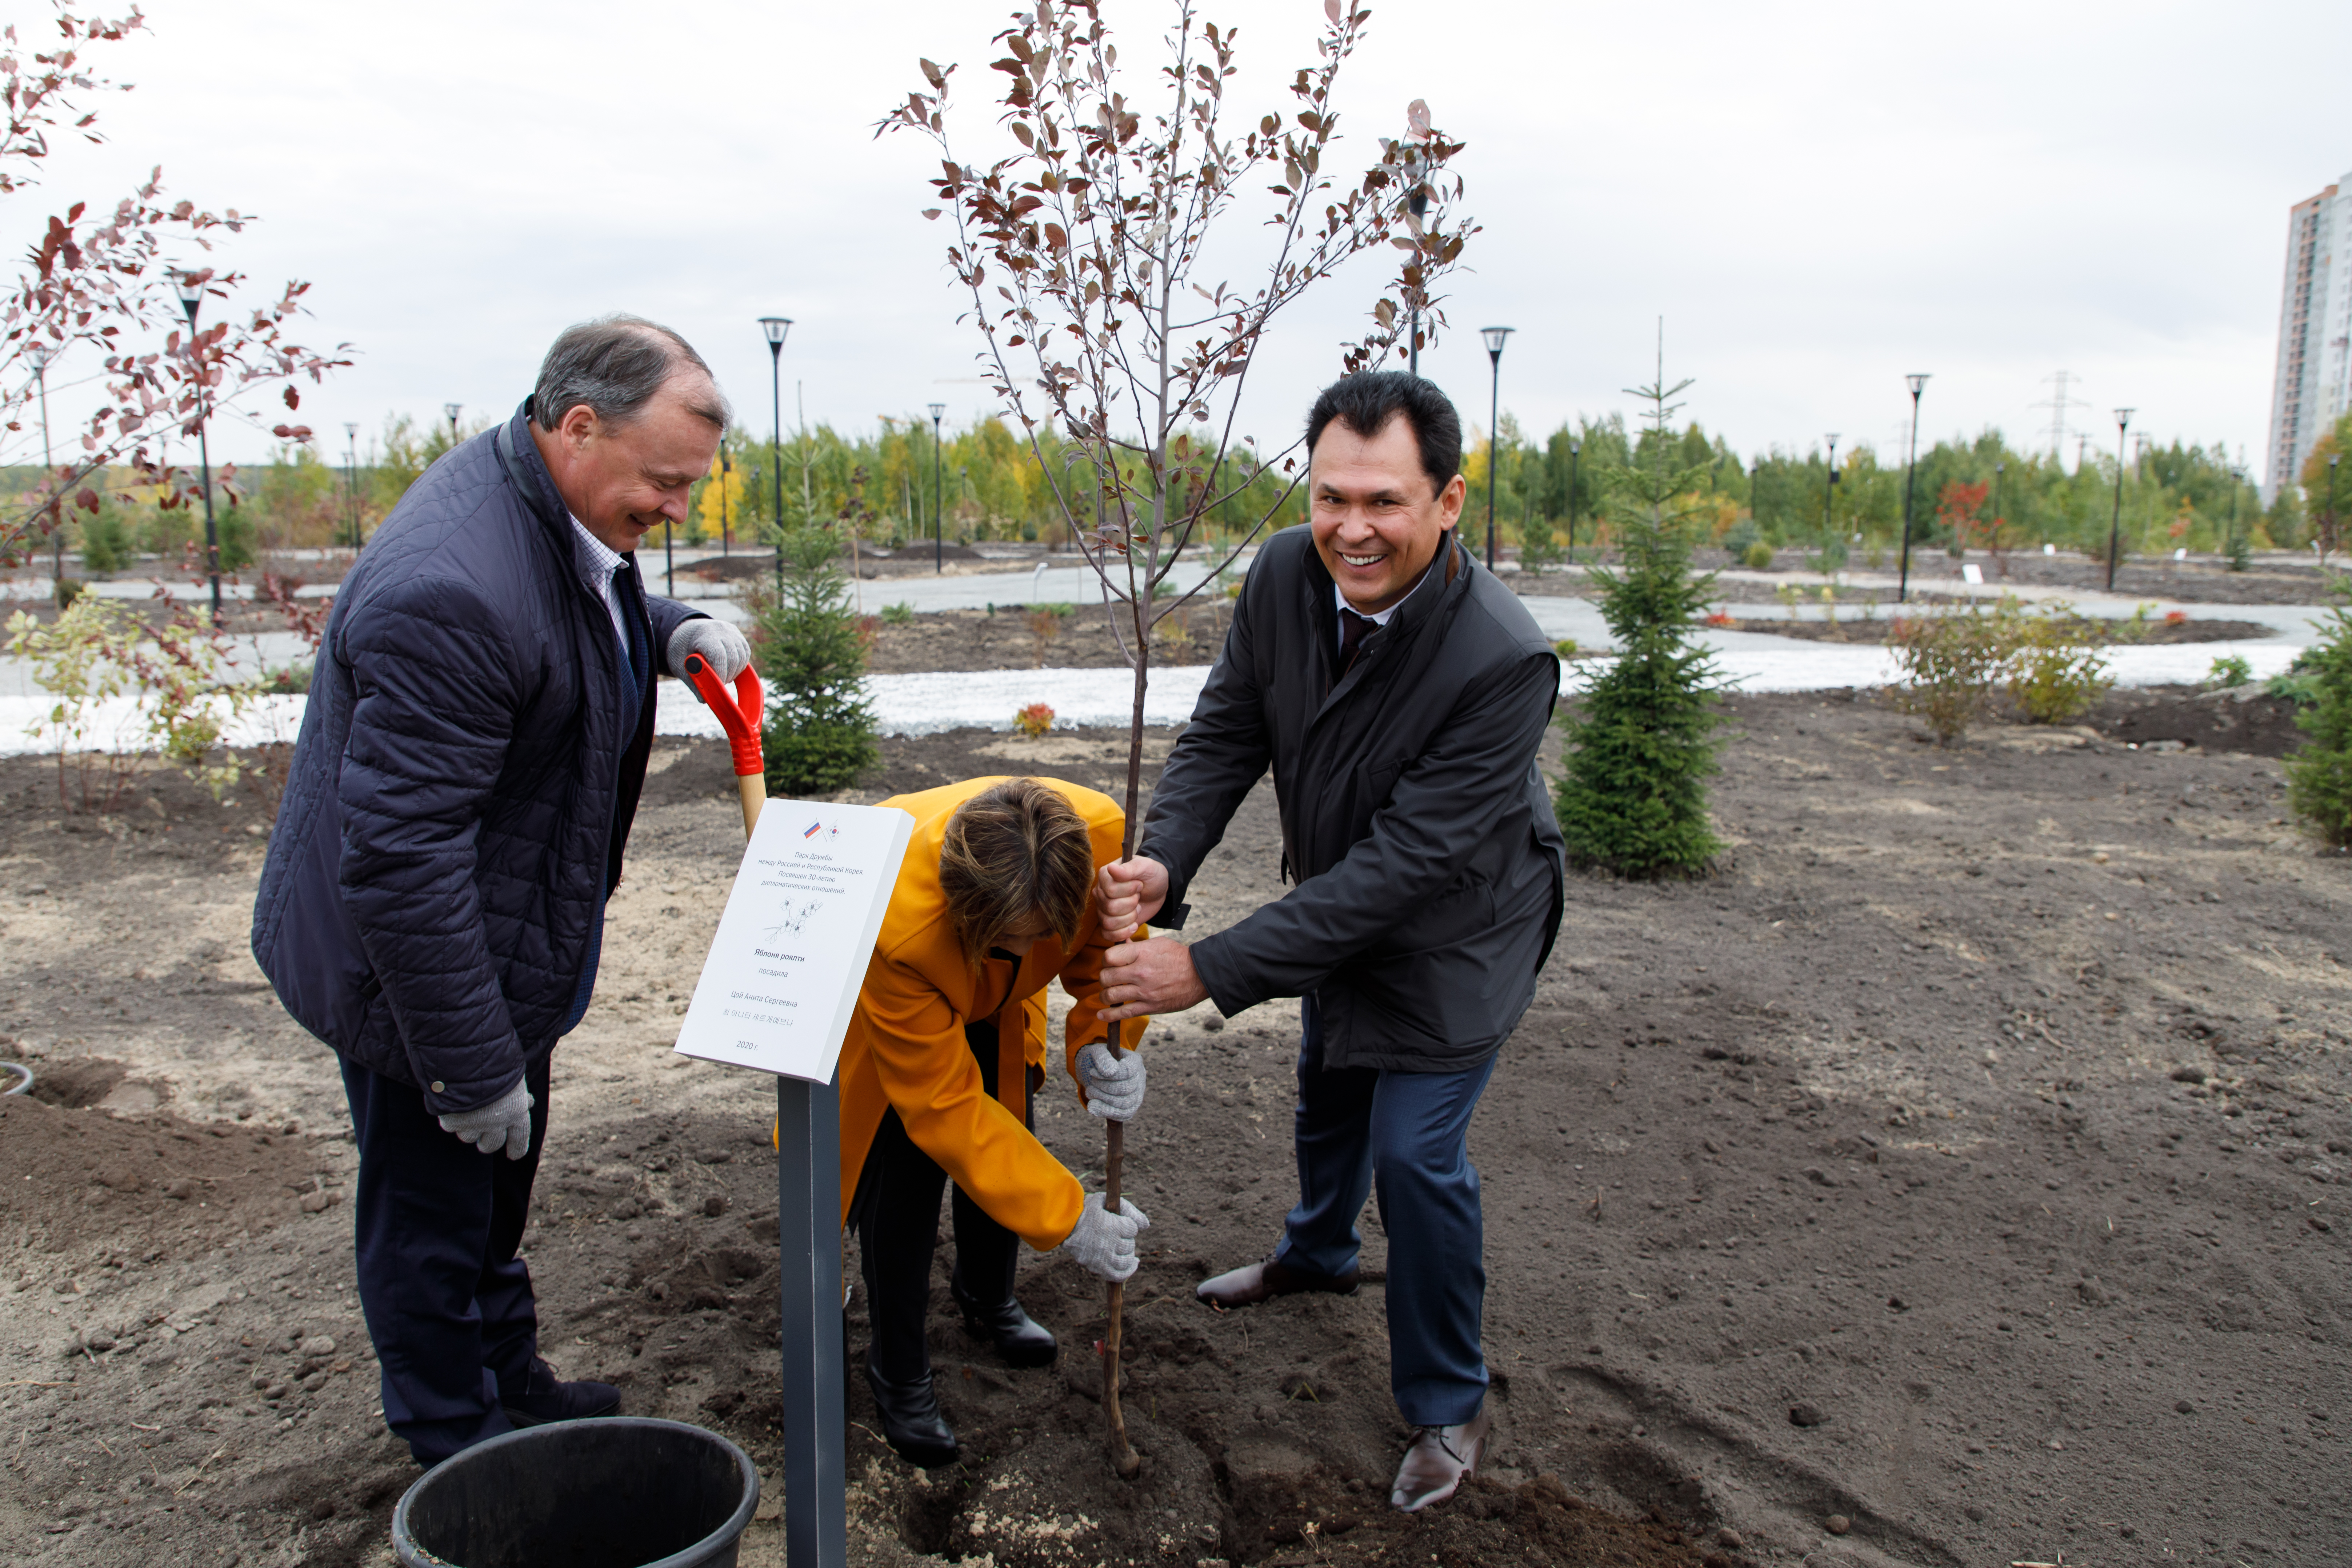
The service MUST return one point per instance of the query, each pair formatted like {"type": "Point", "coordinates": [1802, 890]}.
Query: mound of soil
{"type": "Point", "coordinates": [79, 1171]}
{"type": "Point", "coordinates": [2243, 718]}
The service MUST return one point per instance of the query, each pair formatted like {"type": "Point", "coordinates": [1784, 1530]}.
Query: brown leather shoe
{"type": "Point", "coordinates": [1256, 1282]}
{"type": "Point", "coordinates": [1435, 1465]}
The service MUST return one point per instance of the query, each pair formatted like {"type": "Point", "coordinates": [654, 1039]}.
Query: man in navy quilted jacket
{"type": "Point", "coordinates": [433, 901]}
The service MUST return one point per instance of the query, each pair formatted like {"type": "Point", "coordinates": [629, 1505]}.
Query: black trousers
{"type": "Point", "coordinates": [896, 1212]}
{"type": "Point", "coordinates": [436, 1229]}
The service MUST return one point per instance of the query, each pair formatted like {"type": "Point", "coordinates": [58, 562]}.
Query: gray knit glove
{"type": "Point", "coordinates": [1114, 1084]}
{"type": "Point", "coordinates": [1103, 1243]}
{"type": "Point", "coordinates": [721, 647]}
{"type": "Point", "coordinates": [506, 1119]}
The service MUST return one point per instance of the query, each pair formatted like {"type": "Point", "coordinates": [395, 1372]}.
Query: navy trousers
{"type": "Point", "coordinates": [1404, 1137]}
{"type": "Point", "coordinates": [436, 1229]}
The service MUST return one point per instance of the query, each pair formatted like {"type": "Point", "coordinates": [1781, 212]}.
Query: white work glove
{"type": "Point", "coordinates": [506, 1119]}
{"type": "Point", "coordinates": [1103, 1243]}
{"type": "Point", "coordinates": [721, 647]}
{"type": "Point", "coordinates": [1114, 1084]}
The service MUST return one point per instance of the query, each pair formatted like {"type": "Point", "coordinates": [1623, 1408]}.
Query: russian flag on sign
{"type": "Point", "coordinates": [811, 830]}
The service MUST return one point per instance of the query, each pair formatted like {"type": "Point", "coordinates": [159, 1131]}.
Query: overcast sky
{"type": "Point", "coordinates": [1816, 198]}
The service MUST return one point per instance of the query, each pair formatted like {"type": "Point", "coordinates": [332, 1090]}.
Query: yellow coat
{"type": "Point", "coordinates": [905, 1049]}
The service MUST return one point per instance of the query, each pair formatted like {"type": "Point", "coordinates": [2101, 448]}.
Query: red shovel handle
{"type": "Point", "coordinates": [739, 714]}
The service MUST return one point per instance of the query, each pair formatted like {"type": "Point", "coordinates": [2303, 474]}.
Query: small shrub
{"type": "Point", "coordinates": [2232, 670]}
{"type": "Point", "coordinates": [1565, 648]}
{"type": "Point", "coordinates": [2056, 674]}
{"type": "Point", "coordinates": [2297, 683]}
{"type": "Point", "coordinates": [1723, 618]}
{"type": "Point", "coordinates": [899, 614]}
{"type": "Point", "coordinates": [1044, 625]}
{"type": "Point", "coordinates": [1035, 719]}
{"type": "Point", "coordinates": [2176, 617]}
{"type": "Point", "coordinates": [1952, 666]}
{"type": "Point", "coordinates": [1738, 537]}
{"type": "Point", "coordinates": [2319, 776]}
{"type": "Point", "coordinates": [1757, 557]}
{"type": "Point", "coordinates": [1539, 550]}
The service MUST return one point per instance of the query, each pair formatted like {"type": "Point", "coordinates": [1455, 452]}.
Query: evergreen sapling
{"type": "Point", "coordinates": [1640, 745]}
{"type": "Point", "coordinates": [2319, 776]}
{"type": "Point", "coordinates": [820, 730]}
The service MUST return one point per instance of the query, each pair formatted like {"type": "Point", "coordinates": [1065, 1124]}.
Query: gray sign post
{"type": "Point", "coordinates": [808, 1224]}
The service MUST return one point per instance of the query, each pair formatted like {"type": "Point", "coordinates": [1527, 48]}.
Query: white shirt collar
{"type": "Point", "coordinates": [601, 557]}
{"type": "Point", "coordinates": [599, 562]}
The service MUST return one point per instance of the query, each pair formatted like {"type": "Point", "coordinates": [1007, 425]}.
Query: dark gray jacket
{"type": "Point", "coordinates": [1429, 867]}
{"type": "Point", "coordinates": [462, 787]}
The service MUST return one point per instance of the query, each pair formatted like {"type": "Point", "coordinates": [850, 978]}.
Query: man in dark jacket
{"type": "Point", "coordinates": [433, 905]}
{"type": "Point", "coordinates": [1399, 693]}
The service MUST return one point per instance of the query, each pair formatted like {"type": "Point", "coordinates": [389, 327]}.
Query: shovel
{"type": "Point", "coordinates": [739, 714]}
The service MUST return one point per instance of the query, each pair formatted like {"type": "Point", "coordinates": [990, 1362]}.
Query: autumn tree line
{"type": "Point", "coordinates": [1980, 493]}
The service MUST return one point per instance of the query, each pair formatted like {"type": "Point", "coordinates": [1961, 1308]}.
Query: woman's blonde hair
{"type": "Point", "coordinates": [1013, 852]}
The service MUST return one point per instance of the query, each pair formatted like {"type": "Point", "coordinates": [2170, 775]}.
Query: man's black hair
{"type": "Point", "coordinates": [1367, 401]}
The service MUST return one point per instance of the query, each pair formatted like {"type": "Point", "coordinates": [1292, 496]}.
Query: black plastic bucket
{"type": "Point", "coordinates": [620, 1492]}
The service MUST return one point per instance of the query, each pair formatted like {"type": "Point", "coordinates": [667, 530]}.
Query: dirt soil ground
{"type": "Point", "coordinates": [1037, 637]}
{"type": "Point", "coordinates": [1965, 1166]}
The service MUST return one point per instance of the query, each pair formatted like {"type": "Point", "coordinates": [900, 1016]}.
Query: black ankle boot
{"type": "Point", "coordinates": [911, 1422]}
{"type": "Point", "coordinates": [1020, 1339]}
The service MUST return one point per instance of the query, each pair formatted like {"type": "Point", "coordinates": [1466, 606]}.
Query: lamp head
{"type": "Point", "coordinates": [1495, 337]}
{"type": "Point", "coordinates": [450, 409]}
{"type": "Point", "coordinates": [189, 287]}
{"type": "Point", "coordinates": [939, 411]}
{"type": "Point", "coordinates": [775, 327]}
{"type": "Point", "coordinates": [2123, 418]}
{"type": "Point", "coordinates": [1574, 448]}
{"type": "Point", "coordinates": [1918, 383]}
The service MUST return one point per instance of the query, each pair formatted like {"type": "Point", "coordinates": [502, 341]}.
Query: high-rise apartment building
{"type": "Point", "coordinates": [2314, 346]}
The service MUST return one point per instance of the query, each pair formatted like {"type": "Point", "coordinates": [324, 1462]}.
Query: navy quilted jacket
{"type": "Point", "coordinates": [462, 786]}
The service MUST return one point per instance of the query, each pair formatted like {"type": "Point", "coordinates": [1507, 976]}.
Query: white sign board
{"type": "Point", "coordinates": [783, 973]}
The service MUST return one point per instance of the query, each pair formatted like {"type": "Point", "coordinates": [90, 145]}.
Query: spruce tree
{"type": "Point", "coordinates": [2319, 776]}
{"type": "Point", "coordinates": [1641, 742]}
{"type": "Point", "coordinates": [820, 728]}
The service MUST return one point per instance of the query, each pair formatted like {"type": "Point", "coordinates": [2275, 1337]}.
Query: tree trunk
{"type": "Point", "coordinates": [1123, 1457]}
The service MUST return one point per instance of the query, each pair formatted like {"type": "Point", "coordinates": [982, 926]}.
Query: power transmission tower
{"type": "Point", "coordinates": [2058, 402]}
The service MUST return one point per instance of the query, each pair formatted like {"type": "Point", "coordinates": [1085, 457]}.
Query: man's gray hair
{"type": "Point", "coordinates": [614, 365]}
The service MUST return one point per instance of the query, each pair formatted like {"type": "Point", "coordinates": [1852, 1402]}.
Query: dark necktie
{"type": "Point", "coordinates": [1353, 630]}
{"type": "Point", "coordinates": [631, 596]}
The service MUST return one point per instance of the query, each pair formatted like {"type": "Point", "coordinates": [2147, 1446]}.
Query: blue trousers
{"type": "Point", "coordinates": [1404, 1138]}
{"type": "Point", "coordinates": [436, 1229]}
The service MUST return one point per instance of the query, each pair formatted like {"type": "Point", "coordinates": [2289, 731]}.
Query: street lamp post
{"type": "Point", "coordinates": [1918, 383]}
{"type": "Point", "coordinates": [726, 481]}
{"type": "Point", "coordinates": [938, 549]}
{"type": "Point", "coordinates": [2230, 540]}
{"type": "Point", "coordinates": [352, 478]}
{"type": "Point", "coordinates": [191, 288]}
{"type": "Point", "coordinates": [1573, 448]}
{"type": "Point", "coordinates": [451, 409]}
{"type": "Point", "coordinates": [1829, 492]}
{"type": "Point", "coordinates": [1998, 470]}
{"type": "Point", "coordinates": [1496, 338]}
{"type": "Point", "coordinates": [775, 327]}
{"type": "Point", "coordinates": [2116, 527]}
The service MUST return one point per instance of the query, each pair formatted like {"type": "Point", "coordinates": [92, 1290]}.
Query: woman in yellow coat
{"type": "Point", "coordinates": [942, 1054]}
